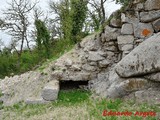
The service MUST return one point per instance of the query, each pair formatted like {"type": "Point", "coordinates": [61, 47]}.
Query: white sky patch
{"type": "Point", "coordinates": [44, 4]}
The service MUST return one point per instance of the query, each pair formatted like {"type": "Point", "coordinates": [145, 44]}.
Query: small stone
{"type": "Point", "coordinates": [104, 63]}
{"type": "Point", "coordinates": [127, 29]}
{"type": "Point", "coordinates": [95, 56]}
{"type": "Point", "coordinates": [156, 25]}
{"type": "Point", "coordinates": [125, 39]}
{"type": "Point", "coordinates": [115, 23]}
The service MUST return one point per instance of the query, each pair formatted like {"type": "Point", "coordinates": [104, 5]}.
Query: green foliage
{"type": "Point", "coordinates": [72, 15]}
{"type": "Point", "coordinates": [78, 16]}
{"type": "Point", "coordinates": [78, 99]}
{"type": "Point", "coordinates": [72, 97]}
{"type": "Point", "coordinates": [43, 37]}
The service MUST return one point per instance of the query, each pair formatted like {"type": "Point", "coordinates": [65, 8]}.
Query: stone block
{"type": "Point", "coordinates": [152, 5]}
{"type": "Point", "coordinates": [149, 16]}
{"type": "Point", "coordinates": [143, 30]}
{"type": "Point", "coordinates": [125, 39]}
{"type": "Point", "coordinates": [127, 29]}
{"type": "Point", "coordinates": [50, 91]}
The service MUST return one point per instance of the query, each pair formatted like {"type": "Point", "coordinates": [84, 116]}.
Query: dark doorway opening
{"type": "Point", "coordinates": [70, 85]}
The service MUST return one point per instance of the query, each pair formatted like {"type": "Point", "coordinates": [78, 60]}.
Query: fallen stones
{"type": "Point", "coordinates": [50, 91]}
{"type": "Point", "coordinates": [143, 60]}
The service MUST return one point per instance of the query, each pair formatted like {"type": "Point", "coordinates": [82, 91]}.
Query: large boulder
{"type": "Point", "coordinates": [143, 60]}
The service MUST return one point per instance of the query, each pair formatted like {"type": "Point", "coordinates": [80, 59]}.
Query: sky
{"type": "Point", "coordinates": [110, 7]}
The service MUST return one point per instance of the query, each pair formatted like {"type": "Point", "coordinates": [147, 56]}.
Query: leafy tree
{"type": "Point", "coordinates": [71, 15]}
{"type": "Point", "coordinates": [43, 37]}
{"type": "Point", "coordinates": [16, 22]}
{"type": "Point", "coordinates": [78, 16]}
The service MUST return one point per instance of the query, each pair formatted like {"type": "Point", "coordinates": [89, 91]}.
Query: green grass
{"type": "Point", "coordinates": [77, 105]}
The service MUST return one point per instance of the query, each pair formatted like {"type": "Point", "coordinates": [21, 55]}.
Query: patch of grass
{"type": "Point", "coordinates": [72, 97]}
{"type": "Point", "coordinates": [78, 105]}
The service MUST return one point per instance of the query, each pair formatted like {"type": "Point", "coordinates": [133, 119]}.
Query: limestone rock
{"type": "Point", "coordinates": [139, 7]}
{"type": "Point", "coordinates": [153, 77]}
{"type": "Point", "coordinates": [127, 29]}
{"type": "Point", "coordinates": [115, 23]}
{"type": "Point", "coordinates": [152, 5]}
{"type": "Point", "coordinates": [127, 47]}
{"type": "Point", "coordinates": [50, 91]}
{"type": "Point", "coordinates": [125, 87]}
{"type": "Point", "coordinates": [125, 39]}
{"type": "Point", "coordinates": [143, 30]}
{"type": "Point", "coordinates": [104, 63]}
{"type": "Point", "coordinates": [95, 56]}
{"type": "Point", "coordinates": [149, 16]}
{"type": "Point", "coordinates": [111, 33]}
{"type": "Point", "coordinates": [150, 96]}
{"type": "Point", "coordinates": [156, 25]}
{"type": "Point", "coordinates": [143, 60]}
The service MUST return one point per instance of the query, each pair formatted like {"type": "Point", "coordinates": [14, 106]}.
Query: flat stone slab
{"type": "Point", "coordinates": [50, 91]}
{"type": "Point", "coordinates": [36, 101]}
{"type": "Point", "coordinates": [143, 60]}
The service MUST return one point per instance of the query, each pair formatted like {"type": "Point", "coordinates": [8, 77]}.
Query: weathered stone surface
{"type": "Point", "coordinates": [150, 96]}
{"type": "Point", "coordinates": [125, 39]}
{"type": "Point", "coordinates": [125, 18]}
{"type": "Point", "coordinates": [153, 77]}
{"type": "Point", "coordinates": [95, 56]}
{"type": "Point", "coordinates": [104, 63]}
{"type": "Point", "coordinates": [143, 30]}
{"type": "Point", "coordinates": [152, 5]}
{"type": "Point", "coordinates": [127, 47]}
{"type": "Point", "coordinates": [149, 16]}
{"type": "Point", "coordinates": [143, 60]}
{"type": "Point", "coordinates": [88, 67]}
{"type": "Point", "coordinates": [126, 86]}
{"type": "Point", "coordinates": [50, 91]}
{"type": "Point", "coordinates": [156, 25]}
{"type": "Point", "coordinates": [68, 62]}
{"type": "Point", "coordinates": [127, 29]}
{"type": "Point", "coordinates": [139, 7]}
{"type": "Point", "coordinates": [115, 23]}
{"type": "Point", "coordinates": [111, 33]}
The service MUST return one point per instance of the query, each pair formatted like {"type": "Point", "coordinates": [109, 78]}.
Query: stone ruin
{"type": "Point", "coordinates": [123, 60]}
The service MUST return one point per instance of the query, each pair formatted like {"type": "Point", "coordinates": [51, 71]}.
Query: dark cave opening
{"type": "Point", "coordinates": [72, 85]}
